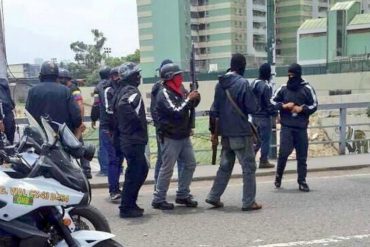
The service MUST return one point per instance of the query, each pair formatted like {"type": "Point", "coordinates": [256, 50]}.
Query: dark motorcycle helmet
{"type": "Point", "coordinates": [64, 76]}
{"type": "Point", "coordinates": [104, 72]}
{"type": "Point", "coordinates": [168, 71]}
{"type": "Point", "coordinates": [49, 70]}
{"type": "Point", "coordinates": [63, 73]}
{"type": "Point", "coordinates": [114, 71]}
{"type": "Point", "coordinates": [129, 73]}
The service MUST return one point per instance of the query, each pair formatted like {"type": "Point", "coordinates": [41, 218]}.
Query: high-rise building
{"type": "Point", "coordinates": [164, 32]}
{"type": "Point", "coordinates": [218, 29]}
{"type": "Point", "coordinates": [290, 14]}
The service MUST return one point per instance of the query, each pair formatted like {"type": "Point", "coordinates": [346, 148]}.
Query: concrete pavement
{"type": "Point", "coordinates": [208, 172]}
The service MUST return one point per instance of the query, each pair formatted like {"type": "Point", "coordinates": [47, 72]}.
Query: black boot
{"type": "Point", "coordinates": [303, 186]}
{"type": "Point", "coordinates": [130, 213]}
{"type": "Point", "coordinates": [163, 205]}
{"type": "Point", "coordinates": [188, 202]}
{"type": "Point", "coordinates": [277, 181]}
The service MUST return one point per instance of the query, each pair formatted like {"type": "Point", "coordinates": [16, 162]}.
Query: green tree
{"type": "Point", "coordinates": [134, 57]}
{"type": "Point", "coordinates": [90, 55]}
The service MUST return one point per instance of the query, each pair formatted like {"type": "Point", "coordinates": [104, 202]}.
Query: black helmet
{"type": "Point", "coordinates": [49, 68]}
{"type": "Point", "coordinates": [126, 70]}
{"type": "Point", "coordinates": [114, 71]}
{"type": "Point", "coordinates": [168, 71]}
{"type": "Point", "coordinates": [63, 73]}
{"type": "Point", "coordinates": [104, 73]}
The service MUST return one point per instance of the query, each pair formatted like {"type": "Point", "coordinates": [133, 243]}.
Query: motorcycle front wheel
{"type": "Point", "coordinates": [108, 243]}
{"type": "Point", "coordinates": [89, 218]}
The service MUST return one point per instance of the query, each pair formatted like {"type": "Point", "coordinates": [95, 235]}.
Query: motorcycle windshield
{"type": "Point", "coordinates": [33, 123]}
{"type": "Point", "coordinates": [68, 138]}
{"type": "Point", "coordinates": [50, 134]}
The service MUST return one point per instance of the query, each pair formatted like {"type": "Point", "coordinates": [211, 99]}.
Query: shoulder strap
{"type": "Point", "coordinates": [236, 107]}
{"type": "Point", "coordinates": [245, 118]}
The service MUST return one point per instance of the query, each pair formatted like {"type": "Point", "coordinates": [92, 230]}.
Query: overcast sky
{"type": "Point", "coordinates": [45, 28]}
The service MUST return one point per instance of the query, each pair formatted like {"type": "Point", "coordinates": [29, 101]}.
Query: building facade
{"type": "Point", "coordinates": [343, 35]}
{"type": "Point", "coordinates": [218, 28]}
{"type": "Point", "coordinates": [290, 14]}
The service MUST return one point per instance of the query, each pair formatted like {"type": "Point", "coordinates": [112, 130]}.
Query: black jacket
{"type": "Point", "coordinates": [54, 100]}
{"type": "Point", "coordinates": [173, 114]}
{"type": "Point", "coordinates": [5, 98]}
{"type": "Point", "coordinates": [231, 124]}
{"type": "Point", "coordinates": [263, 91]}
{"type": "Point", "coordinates": [304, 96]}
{"type": "Point", "coordinates": [153, 101]}
{"type": "Point", "coordinates": [129, 114]}
{"type": "Point", "coordinates": [102, 108]}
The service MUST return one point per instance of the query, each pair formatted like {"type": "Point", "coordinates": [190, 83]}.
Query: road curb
{"type": "Point", "coordinates": [259, 174]}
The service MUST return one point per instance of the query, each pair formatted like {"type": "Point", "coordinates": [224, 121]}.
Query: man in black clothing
{"type": "Point", "coordinates": [110, 153]}
{"type": "Point", "coordinates": [50, 98]}
{"type": "Point", "coordinates": [262, 118]}
{"type": "Point", "coordinates": [296, 101]}
{"type": "Point", "coordinates": [7, 122]}
{"type": "Point", "coordinates": [234, 91]}
{"type": "Point", "coordinates": [100, 111]}
{"type": "Point", "coordinates": [129, 114]}
{"type": "Point", "coordinates": [65, 78]}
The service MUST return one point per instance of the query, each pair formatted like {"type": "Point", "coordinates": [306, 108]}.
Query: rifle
{"type": "Point", "coordinates": [213, 126]}
{"type": "Point", "coordinates": [193, 85]}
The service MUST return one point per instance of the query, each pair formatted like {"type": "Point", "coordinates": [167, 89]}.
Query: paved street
{"type": "Point", "coordinates": [335, 213]}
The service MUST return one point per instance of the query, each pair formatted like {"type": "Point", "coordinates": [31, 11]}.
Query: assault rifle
{"type": "Point", "coordinates": [193, 84]}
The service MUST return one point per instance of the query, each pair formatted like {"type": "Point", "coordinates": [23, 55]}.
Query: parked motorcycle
{"type": "Point", "coordinates": [32, 209]}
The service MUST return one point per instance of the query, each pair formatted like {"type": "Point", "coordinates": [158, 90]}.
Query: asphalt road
{"type": "Point", "coordinates": [335, 213]}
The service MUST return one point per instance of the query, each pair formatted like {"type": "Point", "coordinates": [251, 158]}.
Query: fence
{"type": "Point", "coordinates": [202, 145]}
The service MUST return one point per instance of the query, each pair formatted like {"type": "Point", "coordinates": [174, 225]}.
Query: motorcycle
{"type": "Point", "coordinates": [22, 158]}
{"type": "Point", "coordinates": [32, 209]}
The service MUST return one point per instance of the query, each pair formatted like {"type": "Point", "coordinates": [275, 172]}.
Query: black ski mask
{"type": "Point", "coordinates": [295, 77]}
{"type": "Point", "coordinates": [238, 64]}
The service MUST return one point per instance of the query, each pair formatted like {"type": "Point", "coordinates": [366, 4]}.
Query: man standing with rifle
{"type": "Point", "coordinates": [173, 111]}
{"type": "Point", "coordinates": [233, 101]}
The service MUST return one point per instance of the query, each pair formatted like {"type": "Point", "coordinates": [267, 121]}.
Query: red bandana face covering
{"type": "Point", "coordinates": [175, 84]}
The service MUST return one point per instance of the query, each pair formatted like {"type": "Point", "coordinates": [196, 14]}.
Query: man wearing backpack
{"type": "Point", "coordinates": [262, 118]}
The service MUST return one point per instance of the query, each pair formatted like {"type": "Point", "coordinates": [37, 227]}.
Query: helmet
{"type": "Point", "coordinates": [168, 71]}
{"type": "Point", "coordinates": [114, 70]}
{"type": "Point", "coordinates": [164, 62]}
{"type": "Point", "coordinates": [63, 73]}
{"type": "Point", "coordinates": [49, 68]}
{"type": "Point", "coordinates": [126, 70]}
{"type": "Point", "coordinates": [104, 73]}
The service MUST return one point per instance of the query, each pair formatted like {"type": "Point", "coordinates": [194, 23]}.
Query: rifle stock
{"type": "Point", "coordinates": [214, 130]}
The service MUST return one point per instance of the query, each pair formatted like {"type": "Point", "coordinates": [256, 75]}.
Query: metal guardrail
{"type": "Point", "coordinates": [342, 107]}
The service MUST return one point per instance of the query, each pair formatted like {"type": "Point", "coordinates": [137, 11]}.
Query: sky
{"type": "Point", "coordinates": [45, 28]}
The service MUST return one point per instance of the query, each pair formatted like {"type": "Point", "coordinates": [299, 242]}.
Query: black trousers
{"type": "Point", "coordinates": [9, 124]}
{"type": "Point", "coordinates": [85, 164]}
{"type": "Point", "coordinates": [135, 175]}
{"type": "Point", "coordinates": [293, 138]}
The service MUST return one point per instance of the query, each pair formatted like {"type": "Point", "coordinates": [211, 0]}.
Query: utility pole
{"type": "Point", "coordinates": [3, 63]}
{"type": "Point", "coordinates": [271, 45]}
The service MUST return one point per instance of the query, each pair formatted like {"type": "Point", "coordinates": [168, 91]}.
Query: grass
{"type": "Point", "coordinates": [200, 140]}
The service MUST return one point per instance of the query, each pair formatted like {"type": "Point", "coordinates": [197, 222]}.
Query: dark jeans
{"type": "Point", "coordinates": [115, 158]}
{"type": "Point", "coordinates": [136, 172]}
{"type": "Point", "coordinates": [232, 148]}
{"type": "Point", "coordinates": [264, 128]}
{"type": "Point", "coordinates": [158, 164]}
{"type": "Point", "coordinates": [9, 124]}
{"type": "Point", "coordinates": [292, 138]}
{"type": "Point", "coordinates": [103, 153]}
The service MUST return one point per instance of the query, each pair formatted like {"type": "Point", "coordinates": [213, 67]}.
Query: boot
{"type": "Point", "coordinates": [265, 164]}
